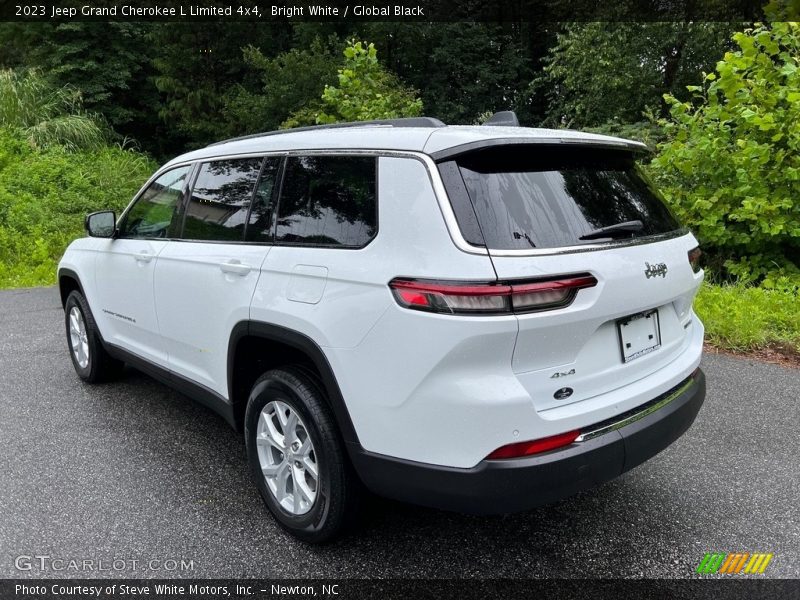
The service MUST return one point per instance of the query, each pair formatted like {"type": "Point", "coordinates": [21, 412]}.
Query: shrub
{"type": "Point", "coordinates": [731, 165]}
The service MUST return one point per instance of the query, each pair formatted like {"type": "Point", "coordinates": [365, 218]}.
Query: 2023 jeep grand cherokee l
{"type": "Point", "coordinates": [481, 319]}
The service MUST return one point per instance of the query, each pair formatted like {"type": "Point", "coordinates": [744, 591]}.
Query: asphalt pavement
{"type": "Point", "coordinates": [132, 471]}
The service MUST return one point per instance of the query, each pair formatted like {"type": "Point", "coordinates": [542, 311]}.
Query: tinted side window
{"type": "Point", "coordinates": [328, 201]}
{"type": "Point", "coordinates": [260, 228]}
{"type": "Point", "coordinates": [220, 199]}
{"type": "Point", "coordinates": [153, 215]}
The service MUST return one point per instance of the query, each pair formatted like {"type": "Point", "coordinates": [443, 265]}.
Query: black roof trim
{"type": "Point", "coordinates": [504, 118]}
{"type": "Point", "coordinates": [405, 122]}
{"type": "Point", "coordinates": [455, 151]}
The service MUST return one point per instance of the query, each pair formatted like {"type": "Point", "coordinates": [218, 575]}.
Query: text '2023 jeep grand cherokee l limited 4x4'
{"type": "Point", "coordinates": [481, 319]}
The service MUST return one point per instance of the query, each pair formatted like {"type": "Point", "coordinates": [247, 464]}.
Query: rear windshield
{"type": "Point", "coordinates": [525, 197]}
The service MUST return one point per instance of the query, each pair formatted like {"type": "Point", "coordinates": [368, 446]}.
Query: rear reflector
{"type": "Point", "coordinates": [694, 258]}
{"type": "Point", "coordinates": [534, 446]}
{"type": "Point", "coordinates": [488, 298]}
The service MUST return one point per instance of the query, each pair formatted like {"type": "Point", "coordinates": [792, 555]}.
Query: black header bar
{"type": "Point", "coordinates": [390, 10]}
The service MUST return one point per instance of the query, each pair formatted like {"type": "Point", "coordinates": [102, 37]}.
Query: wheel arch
{"type": "Point", "coordinates": [68, 282]}
{"type": "Point", "coordinates": [302, 347]}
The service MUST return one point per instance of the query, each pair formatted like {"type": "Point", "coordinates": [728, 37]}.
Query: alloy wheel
{"type": "Point", "coordinates": [78, 338]}
{"type": "Point", "coordinates": [287, 457]}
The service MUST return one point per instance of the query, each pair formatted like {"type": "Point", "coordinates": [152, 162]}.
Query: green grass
{"type": "Point", "coordinates": [45, 194]}
{"type": "Point", "coordinates": [743, 318]}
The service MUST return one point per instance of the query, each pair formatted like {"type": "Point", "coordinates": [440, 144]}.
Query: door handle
{"type": "Point", "coordinates": [235, 267]}
{"type": "Point", "coordinates": [144, 256]}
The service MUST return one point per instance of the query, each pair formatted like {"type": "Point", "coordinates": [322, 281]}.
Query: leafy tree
{"type": "Point", "coordinates": [601, 72]}
{"type": "Point", "coordinates": [463, 70]}
{"type": "Point", "coordinates": [289, 82]}
{"type": "Point", "coordinates": [731, 167]}
{"type": "Point", "coordinates": [16, 40]}
{"type": "Point", "coordinates": [106, 62]}
{"type": "Point", "coordinates": [197, 68]}
{"type": "Point", "coordinates": [365, 91]}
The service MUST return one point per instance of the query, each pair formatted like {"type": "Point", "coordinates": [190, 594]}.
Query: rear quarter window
{"type": "Point", "coordinates": [328, 201]}
{"type": "Point", "coordinates": [526, 197]}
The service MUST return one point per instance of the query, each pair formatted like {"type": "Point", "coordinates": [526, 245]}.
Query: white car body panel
{"type": "Point", "coordinates": [123, 301]}
{"type": "Point", "coordinates": [201, 292]}
{"type": "Point", "coordinates": [356, 292]}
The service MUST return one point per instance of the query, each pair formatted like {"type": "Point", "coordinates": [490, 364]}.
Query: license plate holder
{"type": "Point", "coordinates": [639, 334]}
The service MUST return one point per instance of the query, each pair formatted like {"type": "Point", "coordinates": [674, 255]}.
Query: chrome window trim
{"type": "Point", "coordinates": [440, 193]}
{"type": "Point", "coordinates": [433, 176]}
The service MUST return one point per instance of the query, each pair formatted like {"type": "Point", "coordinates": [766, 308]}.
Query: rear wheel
{"type": "Point", "coordinates": [297, 458]}
{"type": "Point", "coordinates": [91, 361]}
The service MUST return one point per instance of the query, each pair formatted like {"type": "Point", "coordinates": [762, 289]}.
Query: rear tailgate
{"type": "Point", "coordinates": [583, 346]}
{"type": "Point", "coordinates": [547, 212]}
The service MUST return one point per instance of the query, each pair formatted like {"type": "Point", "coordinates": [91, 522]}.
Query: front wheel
{"type": "Point", "coordinates": [91, 361]}
{"type": "Point", "coordinates": [297, 457]}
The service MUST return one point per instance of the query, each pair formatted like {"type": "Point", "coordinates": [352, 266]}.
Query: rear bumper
{"type": "Point", "coordinates": [513, 485]}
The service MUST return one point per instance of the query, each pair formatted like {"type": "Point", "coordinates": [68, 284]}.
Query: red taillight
{"type": "Point", "coordinates": [694, 258]}
{"type": "Point", "coordinates": [534, 446]}
{"type": "Point", "coordinates": [488, 298]}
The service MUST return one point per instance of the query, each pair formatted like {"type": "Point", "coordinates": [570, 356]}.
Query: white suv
{"type": "Point", "coordinates": [481, 319]}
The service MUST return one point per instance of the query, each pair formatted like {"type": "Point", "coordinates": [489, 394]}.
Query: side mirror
{"type": "Point", "coordinates": [101, 224]}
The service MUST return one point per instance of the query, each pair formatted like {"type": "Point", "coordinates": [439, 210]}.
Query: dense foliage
{"type": "Point", "coordinates": [287, 83]}
{"type": "Point", "coordinates": [616, 72]}
{"type": "Point", "coordinates": [731, 165]}
{"type": "Point", "coordinates": [46, 115]}
{"type": "Point", "coordinates": [739, 317]}
{"type": "Point", "coordinates": [365, 91]}
{"type": "Point", "coordinates": [84, 105]}
{"type": "Point", "coordinates": [44, 196]}
{"type": "Point", "coordinates": [463, 70]}
{"type": "Point", "coordinates": [174, 86]}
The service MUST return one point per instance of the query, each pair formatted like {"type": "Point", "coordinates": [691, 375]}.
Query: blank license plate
{"type": "Point", "coordinates": [639, 334]}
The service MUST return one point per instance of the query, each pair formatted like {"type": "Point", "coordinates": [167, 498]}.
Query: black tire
{"type": "Point", "coordinates": [339, 490]}
{"type": "Point", "coordinates": [100, 365]}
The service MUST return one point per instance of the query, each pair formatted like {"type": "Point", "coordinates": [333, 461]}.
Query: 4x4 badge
{"type": "Point", "coordinates": [655, 270]}
{"type": "Point", "coordinates": [558, 374]}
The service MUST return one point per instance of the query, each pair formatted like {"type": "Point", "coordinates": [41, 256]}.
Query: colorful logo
{"type": "Point", "coordinates": [734, 562]}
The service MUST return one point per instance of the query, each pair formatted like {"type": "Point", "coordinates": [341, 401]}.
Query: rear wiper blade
{"type": "Point", "coordinates": [614, 230]}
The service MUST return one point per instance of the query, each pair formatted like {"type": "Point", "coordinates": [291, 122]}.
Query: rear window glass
{"type": "Point", "coordinates": [544, 197]}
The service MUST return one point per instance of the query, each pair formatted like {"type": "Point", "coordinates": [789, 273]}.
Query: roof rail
{"type": "Point", "coordinates": [504, 118]}
{"type": "Point", "coordinates": [405, 122]}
